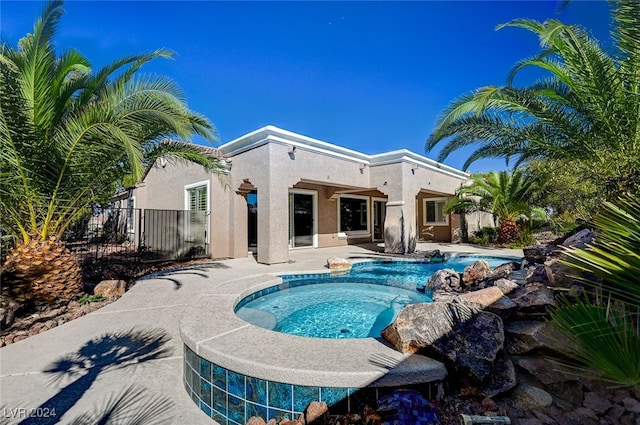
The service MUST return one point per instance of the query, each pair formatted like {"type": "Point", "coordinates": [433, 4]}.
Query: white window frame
{"type": "Point", "coordinates": [187, 188]}
{"type": "Point", "coordinates": [355, 233]}
{"type": "Point", "coordinates": [424, 212]}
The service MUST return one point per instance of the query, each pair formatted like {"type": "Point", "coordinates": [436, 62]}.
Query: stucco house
{"type": "Point", "coordinates": [287, 191]}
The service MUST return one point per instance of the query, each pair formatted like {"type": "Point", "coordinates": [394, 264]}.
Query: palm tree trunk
{"type": "Point", "coordinates": [509, 231]}
{"type": "Point", "coordinates": [43, 272]}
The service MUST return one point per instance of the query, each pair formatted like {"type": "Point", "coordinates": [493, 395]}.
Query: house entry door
{"type": "Point", "coordinates": [301, 220]}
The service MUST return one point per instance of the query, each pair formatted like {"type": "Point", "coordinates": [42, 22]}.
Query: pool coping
{"type": "Point", "coordinates": [214, 332]}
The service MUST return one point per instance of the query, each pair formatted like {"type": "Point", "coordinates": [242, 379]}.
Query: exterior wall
{"type": "Point", "coordinates": [272, 162]}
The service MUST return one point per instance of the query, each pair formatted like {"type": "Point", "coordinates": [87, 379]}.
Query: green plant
{"type": "Point", "coordinates": [603, 331]}
{"type": "Point", "coordinates": [583, 115]}
{"type": "Point", "coordinates": [68, 138]}
{"type": "Point", "coordinates": [86, 299]}
{"type": "Point", "coordinates": [485, 236]}
{"type": "Point", "coordinates": [505, 194]}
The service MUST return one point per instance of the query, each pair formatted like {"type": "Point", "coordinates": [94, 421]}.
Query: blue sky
{"type": "Point", "coordinates": [370, 76]}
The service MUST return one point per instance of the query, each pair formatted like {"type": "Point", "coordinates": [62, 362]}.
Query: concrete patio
{"type": "Point", "coordinates": [78, 368]}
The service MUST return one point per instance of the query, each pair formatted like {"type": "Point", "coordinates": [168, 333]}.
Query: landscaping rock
{"type": "Point", "coordinates": [580, 240]}
{"type": "Point", "coordinates": [110, 289]}
{"type": "Point", "coordinates": [483, 297]}
{"type": "Point", "coordinates": [529, 397]}
{"type": "Point", "coordinates": [501, 379]}
{"type": "Point", "coordinates": [338, 265]}
{"type": "Point", "coordinates": [632, 405]}
{"type": "Point", "coordinates": [501, 272]}
{"type": "Point", "coordinates": [255, 420]}
{"type": "Point", "coordinates": [535, 254]}
{"type": "Point", "coordinates": [447, 280]}
{"type": "Point", "coordinates": [316, 412]}
{"type": "Point", "coordinates": [524, 336]}
{"type": "Point", "coordinates": [559, 274]}
{"type": "Point", "coordinates": [596, 402]}
{"type": "Point", "coordinates": [476, 271]}
{"type": "Point", "coordinates": [506, 286]}
{"type": "Point", "coordinates": [466, 339]}
{"type": "Point", "coordinates": [533, 297]}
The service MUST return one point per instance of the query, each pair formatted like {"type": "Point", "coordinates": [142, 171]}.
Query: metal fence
{"type": "Point", "coordinates": [121, 235]}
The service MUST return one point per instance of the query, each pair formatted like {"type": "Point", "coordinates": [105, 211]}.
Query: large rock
{"type": "Point", "coordinates": [338, 265]}
{"type": "Point", "coordinates": [533, 297]}
{"type": "Point", "coordinates": [506, 286]}
{"type": "Point", "coordinates": [447, 280]}
{"type": "Point", "coordinates": [529, 398]}
{"type": "Point", "coordinates": [501, 272]}
{"type": "Point", "coordinates": [476, 271]}
{"type": "Point", "coordinates": [560, 274]}
{"type": "Point", "coordinates": [110, 288]}
{"type": "Point", "coordinates": [580, 240]}
{"type": "Point", "coordinates": [536, 254]}
{"type": "Point", "coordinates": [524, 336]}
{"type": "Point", "coordinates": [482, 297]}
{"type": "Point", "coordinates": [465, 338]}
{"type": "Point", "coordinates": [502, 378]}
{"type": "Point", "coordinates": [542, 369]}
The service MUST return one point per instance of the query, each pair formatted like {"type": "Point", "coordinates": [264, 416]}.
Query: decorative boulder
{"type": "Point", "coordinates": [462, 337]}
{"type": "Point", "coordinates": [110, 288]}
{"type": "Point", "coordinates": [529, 398]}
{"type": "Point", "coordinates": [580, 240]}
{"type": "Point", "coordinates": [478, 270]}
{"type": "Point", "coordinates": [533, 297]}
{"type": "Point", "coordinates": [501, 272]}
{"type": "Point", "coordinates": [502, 378]}
{"type": "Point", "coordinates": [506, 286]}
{"type": "Point", "coordinates": [559, 274]}
{"type": "Point", "coordinates": [524, 336]}
{"type": "Point", "coordinates": [483, 297]}
{"type": "Point", "coordinates": [338, 265]}
{"type": "Point", "coordinates": [444, 280]}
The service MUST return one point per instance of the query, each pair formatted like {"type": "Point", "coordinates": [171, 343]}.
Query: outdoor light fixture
{"type": "Point", "coordinates": [163, 162]}
{"type": "Point", "coordinates": [292, 149]}
{"type": "Point", "coordinates": [362, 166]}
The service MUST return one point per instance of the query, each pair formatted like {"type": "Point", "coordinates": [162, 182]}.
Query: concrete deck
{"type": "Point", "coordinates": [82, 367]}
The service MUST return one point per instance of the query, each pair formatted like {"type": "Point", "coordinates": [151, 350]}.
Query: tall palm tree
{"type": "Point", "coordinates": [587, 110]}
{"type": "Point", "coordinates": [506, 195]}
{"type": "Point", "coordinates": [68, 138]}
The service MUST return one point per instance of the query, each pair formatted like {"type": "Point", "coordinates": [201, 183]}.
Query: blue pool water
{"type": "Point", "coordinates": [357, 305]}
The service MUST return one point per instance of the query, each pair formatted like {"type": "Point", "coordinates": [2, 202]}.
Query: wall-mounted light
{"type": "Point", "coordinates": [163, 162]}
{"type": "Point", "coordinates": [362, 166]}
{"type": "Point", "coordinates": [291, 150]}
{"type": "Point", "coordinates": [414, 167]}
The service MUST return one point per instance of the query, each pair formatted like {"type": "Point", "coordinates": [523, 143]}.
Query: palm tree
{"type": "Point", "coordinates": [586, 112]}
{"type": "Point", "coordinates": [68, 138]}
{"type": "Point", "coordinates": [506, 195]}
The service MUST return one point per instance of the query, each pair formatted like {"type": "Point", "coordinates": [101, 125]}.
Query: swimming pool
{"type": "Point", "coordinates": [358, 305]}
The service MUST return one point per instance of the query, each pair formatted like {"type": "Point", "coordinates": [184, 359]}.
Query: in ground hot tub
{"type": "Point", "coordinates": [234, 369]}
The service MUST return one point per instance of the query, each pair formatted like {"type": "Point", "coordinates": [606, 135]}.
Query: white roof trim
{"type": "Point", "coordinates": [272, 134]}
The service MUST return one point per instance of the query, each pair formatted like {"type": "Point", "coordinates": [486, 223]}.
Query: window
{"type": "Point", "coordinates": [197, 206]}
{"type": "Point", "coordinates": [197, 198]}
{"type": "Point", "coordinates": [434, 214]}
{"type": "Point", "coordinates": [354, 214]}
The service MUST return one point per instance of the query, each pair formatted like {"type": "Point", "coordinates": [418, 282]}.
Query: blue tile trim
{"type": "Point", "coordinates": [231, 398]}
